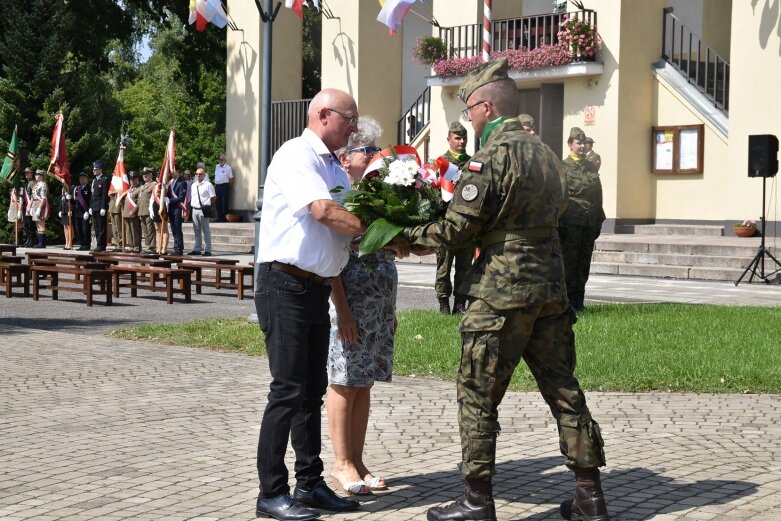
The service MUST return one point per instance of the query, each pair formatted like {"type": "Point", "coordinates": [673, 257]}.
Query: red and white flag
{"type": "Point", "coordinates": [168, 166]}
{"type": "Point", "coordinates": [59, 158]}
{"type": "Point", "coordinates": [381, 157]}
{"type": "Point", "coordinates": [298, 6]}
{"type": "Point", "coordinates": [204, 11]}
{"type": "Point", "coordinates": [119, 181]}
{"type": "Point", "coordinates": [448, 172]}
{"type": "Point", "coordinates": [393, 13]}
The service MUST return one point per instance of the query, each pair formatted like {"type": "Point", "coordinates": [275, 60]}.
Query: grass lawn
{"type": "Point", "coordinates": [620, 347]}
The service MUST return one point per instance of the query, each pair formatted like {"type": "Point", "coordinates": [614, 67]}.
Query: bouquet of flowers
{"type": "Point", "coordinates": [395, 192]}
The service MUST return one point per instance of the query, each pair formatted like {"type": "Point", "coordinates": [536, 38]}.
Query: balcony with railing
{"type": "Point", "coordinates": [527, 32]}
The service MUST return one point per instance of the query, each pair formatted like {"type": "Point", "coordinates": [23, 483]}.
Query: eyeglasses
{"type": "Point", "coordinates": [368, 150]}
{"type": "Point", "coordinates": [467, 112]}
{"type": "Point", "coordinates": [352, 119]}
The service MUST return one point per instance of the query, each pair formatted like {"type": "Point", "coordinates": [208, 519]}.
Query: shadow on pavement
{"type": "Point", "coordinates": [20, 324]}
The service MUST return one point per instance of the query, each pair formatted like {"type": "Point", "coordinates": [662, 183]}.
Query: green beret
{"type": "Point", "coordinates": [457, 128]}
{"type": "Point", "coordinates": [577, 133]}
{"type": "Point", "coordinates": [526, 120]}
{"type": "Point", "coordinates": [489, 72]}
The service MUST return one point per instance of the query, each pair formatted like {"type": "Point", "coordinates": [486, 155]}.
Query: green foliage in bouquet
{"type": "Point", "coordinates": [391, 198]}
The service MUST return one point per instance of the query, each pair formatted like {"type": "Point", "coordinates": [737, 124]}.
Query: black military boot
{"type": "Point", "coordinates": [477, 504]}
{"type": "Point", "coordinates": [41, 241]}
{"type": "Point", "coordinates": [589, 503]}
{"type": "Point", "coordinates": [459, 305]}
{"type": "Point", "coordinates": [444, 305]}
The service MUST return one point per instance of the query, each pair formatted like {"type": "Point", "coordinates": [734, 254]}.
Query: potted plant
{"type": "Point", "coordinates": [580, 37]}
{"type": "Point", "coordinates": [746, 228]}
{"type": "Point", "coordinates": [428, 50]}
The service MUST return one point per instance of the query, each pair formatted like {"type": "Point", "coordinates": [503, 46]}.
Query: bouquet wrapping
{"type": "Point", "coordinates": [395, 192]}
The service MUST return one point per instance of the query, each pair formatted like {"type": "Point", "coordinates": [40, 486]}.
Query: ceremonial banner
{"type": "Point", "coordinates": [59, 160]}
{"type": "Point", "coordinates": [119, 181]}
{"type": "Point", "coordinates": [168, 166]}
{"type": "Point", "coordinates": [11, 162]}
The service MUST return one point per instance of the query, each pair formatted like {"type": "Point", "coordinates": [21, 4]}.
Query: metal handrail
{"type": "Point", "coordinates": [415, 119]}
{"type": "Point", "coordinates": [529, 32]}
{"type": "Point", "coordinates": [685, 50]}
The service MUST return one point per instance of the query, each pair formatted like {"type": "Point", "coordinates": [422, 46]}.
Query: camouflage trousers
{"type": "Point", "coordinates": [493, 344]}
{"type": "Point", "coordinates": [577, 247]}
{"type": "Point", "coordinates": [445, 258]}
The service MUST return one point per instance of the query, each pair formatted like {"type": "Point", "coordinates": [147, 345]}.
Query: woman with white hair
{"type": "Point", "coordinates": [363, 322]}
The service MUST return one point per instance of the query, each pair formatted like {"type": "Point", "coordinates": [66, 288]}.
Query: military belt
{"type": "Point", "coordinates": [497, 236]}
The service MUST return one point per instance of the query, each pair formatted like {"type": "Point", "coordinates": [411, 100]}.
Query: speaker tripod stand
{"type": "Point", "coordinates": [757, 264]}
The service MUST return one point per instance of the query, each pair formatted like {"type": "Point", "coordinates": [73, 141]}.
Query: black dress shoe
{"type": "Point", "coordinates": [283, 507]}
{"type": "Point", "coordinates": [207, 254]}
{"type": "Point", "coordinates": [99, 248]}
{"type": "Point", "coordinates": [324, 498]}
{"type": "Point", "coordinates": [194, 252]}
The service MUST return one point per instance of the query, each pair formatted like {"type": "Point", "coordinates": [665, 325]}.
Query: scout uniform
{"type": "Point", "coordinates": [39, 209]}
{"type": "Point", "coordinates": [147, 224]}
{"type": "Point", "coordinates": [130, 209]}
{"type": "Point", "coordinates": [27, 197]}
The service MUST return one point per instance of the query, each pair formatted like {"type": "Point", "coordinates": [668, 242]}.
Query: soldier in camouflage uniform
{"type": "Point", "coordinates": [590, 154]}
{"type": "Point", "coordinates": [581, 224]}
{"type": "Point", "coordinates": [456, 154]}
{"type": "Point", "coordinates": [508, 201]}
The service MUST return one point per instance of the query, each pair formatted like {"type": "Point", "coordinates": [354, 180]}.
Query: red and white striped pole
{"type": "Point", "coordinates": [487, 30]}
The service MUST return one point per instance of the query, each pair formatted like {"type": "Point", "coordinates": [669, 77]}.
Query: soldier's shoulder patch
{"type": "Point", "coordinates": [469, 192]}
{"type": "Point", "coordinates": [475, 166]}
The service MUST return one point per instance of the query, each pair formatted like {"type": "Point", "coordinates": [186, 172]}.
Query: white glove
{"type": "Point", "coordinates": [86, 215]}
{"type": "Point", "coordinates": [59, 214]}
{"type": "Point", "coordinates": [102, 212]}
{"type": "Point", "coordinates": [70, 214]}
{"type": "Point", "coordinates": [90, 211]}
{"type": "Point", "coordinates": [69, 197]}
{"type": "Point", "coordinates": [167, 201]}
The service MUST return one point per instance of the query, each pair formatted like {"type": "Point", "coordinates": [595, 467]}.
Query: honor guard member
{"type": "Point", "coordinates": [591, 155]}
{"type": "Point", "coordinates": [81, 217]}
{"type": "Point", "coordinates": [581, 224]}
{"type": "Point", "coordinates": [115, 220]}
{"type": "Point", "coordinates": [456, 154]}
{"type": "Point", "coordinates": [99, 205]}
{"type": "Point", "coordinates": [144, 197]}
{"type": "Point", "coordinates": [507, 201]}
{"type": "Point", "coordinates": [39, 209]}
{"type": "Point", "coordinates": [130, 210]}
{"type": "Point", "coordinates": [527, 122]}
{"type": "Point", "coordinates": [66, 217]}
{"type": "Point", "coordinates": [27, 198]}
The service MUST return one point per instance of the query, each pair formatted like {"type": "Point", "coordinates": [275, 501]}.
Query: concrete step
{"type": "Point", "coordinates": [672, 259]}
{"type": "Point", "coordinates": [226, 237]}
{"type": "Point", "coordinates": [718, 246]}
{"type": "Point", "coordinates": [666, 271]}
{"type": "Point", "coordinates": [679, 229]}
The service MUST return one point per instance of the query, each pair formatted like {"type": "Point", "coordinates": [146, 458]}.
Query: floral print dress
{"type": "Point", "coordinates": [370, 285]}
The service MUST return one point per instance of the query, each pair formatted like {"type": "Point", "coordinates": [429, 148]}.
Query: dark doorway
{"type": "Point", "coordinates": [546, 106]}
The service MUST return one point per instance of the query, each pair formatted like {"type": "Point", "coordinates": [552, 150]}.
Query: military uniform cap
{"type": "Point", "coordinates": [28, 169]}
{"type": "Point", "coordinates": [83, 174]}
{"type": "Point", "coordinates": [526, 120]}
{"type": "Point", "coordinates": [457, 128]}
{"type": "Point", "coordinates": [589, 140]}
{"type": "Point", "coordinates": [97, 164]}
{"type": "Point", "coordinates": [39, 172]}
{"type": "Point", "coordinates": [577, 133]}
{"type": "Point", "coordinates": [133, 175]}
{"type": "Point", "coordinates": [147, 170]}
{"type": "Point", "coordinates": [489, 72]}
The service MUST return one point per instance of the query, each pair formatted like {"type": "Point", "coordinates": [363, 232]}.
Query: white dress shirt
{"type": "Point", "coordinates": [302, 171]}
{"type": "Point", "coordinates": [222, 174]}
{"type": "Point", "coordinates": [206, 191]}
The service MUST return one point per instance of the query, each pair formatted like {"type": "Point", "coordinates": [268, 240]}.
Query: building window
{"type": "Point", "coordinates": [677, 149]}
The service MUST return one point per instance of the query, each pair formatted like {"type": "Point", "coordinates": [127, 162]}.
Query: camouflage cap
{"type": "Point", "coordinates": [457, 128]}
{"type": "Point", "coordinates": [577, 133]}
{"type": "Point", "coordinates": [526, 120]}
{"type": "Point", "coordinates": [589, 141]}
{"type": "Point", "coordinates": [489, 72]}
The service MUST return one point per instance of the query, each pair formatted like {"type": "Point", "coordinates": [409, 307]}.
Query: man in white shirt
{"type": "Point", "coordinates": [304, 240]}
{"type": "Point", "coordinates": [223, 180]}
{"type": "Point", "coordinates": [202, 197]}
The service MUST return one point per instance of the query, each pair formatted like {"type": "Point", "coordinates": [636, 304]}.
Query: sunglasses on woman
{"type": "Point", "coordinates": [368, 150]}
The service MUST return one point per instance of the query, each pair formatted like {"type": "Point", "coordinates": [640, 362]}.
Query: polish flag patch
{"type": "Point", "coordinates": [475, 166]}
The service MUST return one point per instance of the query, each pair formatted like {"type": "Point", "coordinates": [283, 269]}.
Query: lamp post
{"type": "Point", "coordinates": [268, 14]}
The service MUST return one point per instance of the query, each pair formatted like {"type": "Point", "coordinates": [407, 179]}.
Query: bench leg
{"type": "Point", "coordinates": [108, 291]}
{"type": "Point", "coordinates": [169, 289]}
{"type": "Point", "coordinates": [55, 282]}
{"type": "Point", "coordinates": [26, 279]}
{"type": "Point", "coordinates": [88, 288]}
{"type": "Point", "coordinates": [186, 282]}
{"type": "Point", "coordinates": [115, 276]}
{"type": "Point", "coordinates": [198, 288]}
{"type": "Point", "coordinates": [36, 281]}
{"type": "Point", "coordinates": [134, 283]}
{"type": "Point", "coordinates": [8, 281]}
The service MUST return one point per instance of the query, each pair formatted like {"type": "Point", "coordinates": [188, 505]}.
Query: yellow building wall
{"type": "Point", "coordinates": [365, 61]}
{"type": "Point", "coordinates": [243, 90]}
{"type": "Point", "coordinates": [716, 25]}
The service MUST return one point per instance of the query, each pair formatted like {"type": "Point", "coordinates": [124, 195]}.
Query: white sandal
{"type": "Point", "coordinates": [374, 483]}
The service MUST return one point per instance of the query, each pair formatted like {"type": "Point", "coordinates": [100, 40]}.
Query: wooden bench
{"type": "Point", "coordinates": [217, 281]}
{"type": "Point", "coordinates": [8, 248]}
{"type": "Point", "coordinates": [83, 280]}
{"type": "Point", "coordinates": [11, 270]}
{"type": "Point", "coordinates": [167, 275]}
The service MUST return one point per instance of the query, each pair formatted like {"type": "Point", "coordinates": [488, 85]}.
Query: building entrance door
{"type": "Point", "coordinates": [546, 105]}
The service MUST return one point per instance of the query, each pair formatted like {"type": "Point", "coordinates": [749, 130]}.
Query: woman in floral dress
{"type": "Point", "coordinates": [363, 322]}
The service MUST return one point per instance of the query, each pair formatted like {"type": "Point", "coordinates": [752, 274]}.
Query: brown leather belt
{"type": "Point", "coordinates": [301, 274]}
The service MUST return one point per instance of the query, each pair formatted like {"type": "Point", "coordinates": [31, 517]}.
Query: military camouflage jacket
{"type": "Point", "coordinates": [453, 159]}
{"type": "Point", "coordinates": [585, 194]}
{"type": "Point", "coordinates": [507, 202]}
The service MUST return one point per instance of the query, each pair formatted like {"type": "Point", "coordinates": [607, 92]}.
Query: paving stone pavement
{"type": "Point", "coordinates": [98, 428]}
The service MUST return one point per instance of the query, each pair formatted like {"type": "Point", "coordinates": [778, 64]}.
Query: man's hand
{"type": "Point", "coordinates": [59, 214]}
{"type": "Point", "coordinates": [86, 215]}
{"type": "Point", "coordinates": [348, 327]}
{"type": "Point", "coordinates": [69, 197]}
{"type": "Point", "coordinates": [400, 247]}
{"type": "Point", "coordinates": [90, 211]}
{"type": "Point", "coordinates": [102, 212]}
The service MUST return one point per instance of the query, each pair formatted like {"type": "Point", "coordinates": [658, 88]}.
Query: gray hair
{"type": "Point", "coordinates": [369, 131]}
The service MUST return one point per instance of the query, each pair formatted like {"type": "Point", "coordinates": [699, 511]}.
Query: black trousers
{"type": "Point", "coordinates": [30, 232]}
{"type": "Point", "coordinates": [100, 228]}
{"type": "Point", "coordinates": [82, 228]}
{"type": "Point", "coordinates": [175, 218]}
{"type": "Point", "coordinates": [293, 315]}
{"type": "Point", "coordinates": [222, 191]}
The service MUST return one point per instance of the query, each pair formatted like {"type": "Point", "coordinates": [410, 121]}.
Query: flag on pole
{"type": "Point", "coordinates": [298, 6]}
{"type": "Point", "coordinates": [11, 162]}
{"type": "Point", "coordinates": [204, 11]}
{"type": "Point", "coordinates": [119, 181]}
{"type": "Point", "coordinates": [447, 177]}
{"type": "Point", "coordinates": [393, 13]}
{"type": "Point", "coordinates": [59, 160]}
{"type": "Point", "coordinates": [168, 166]}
